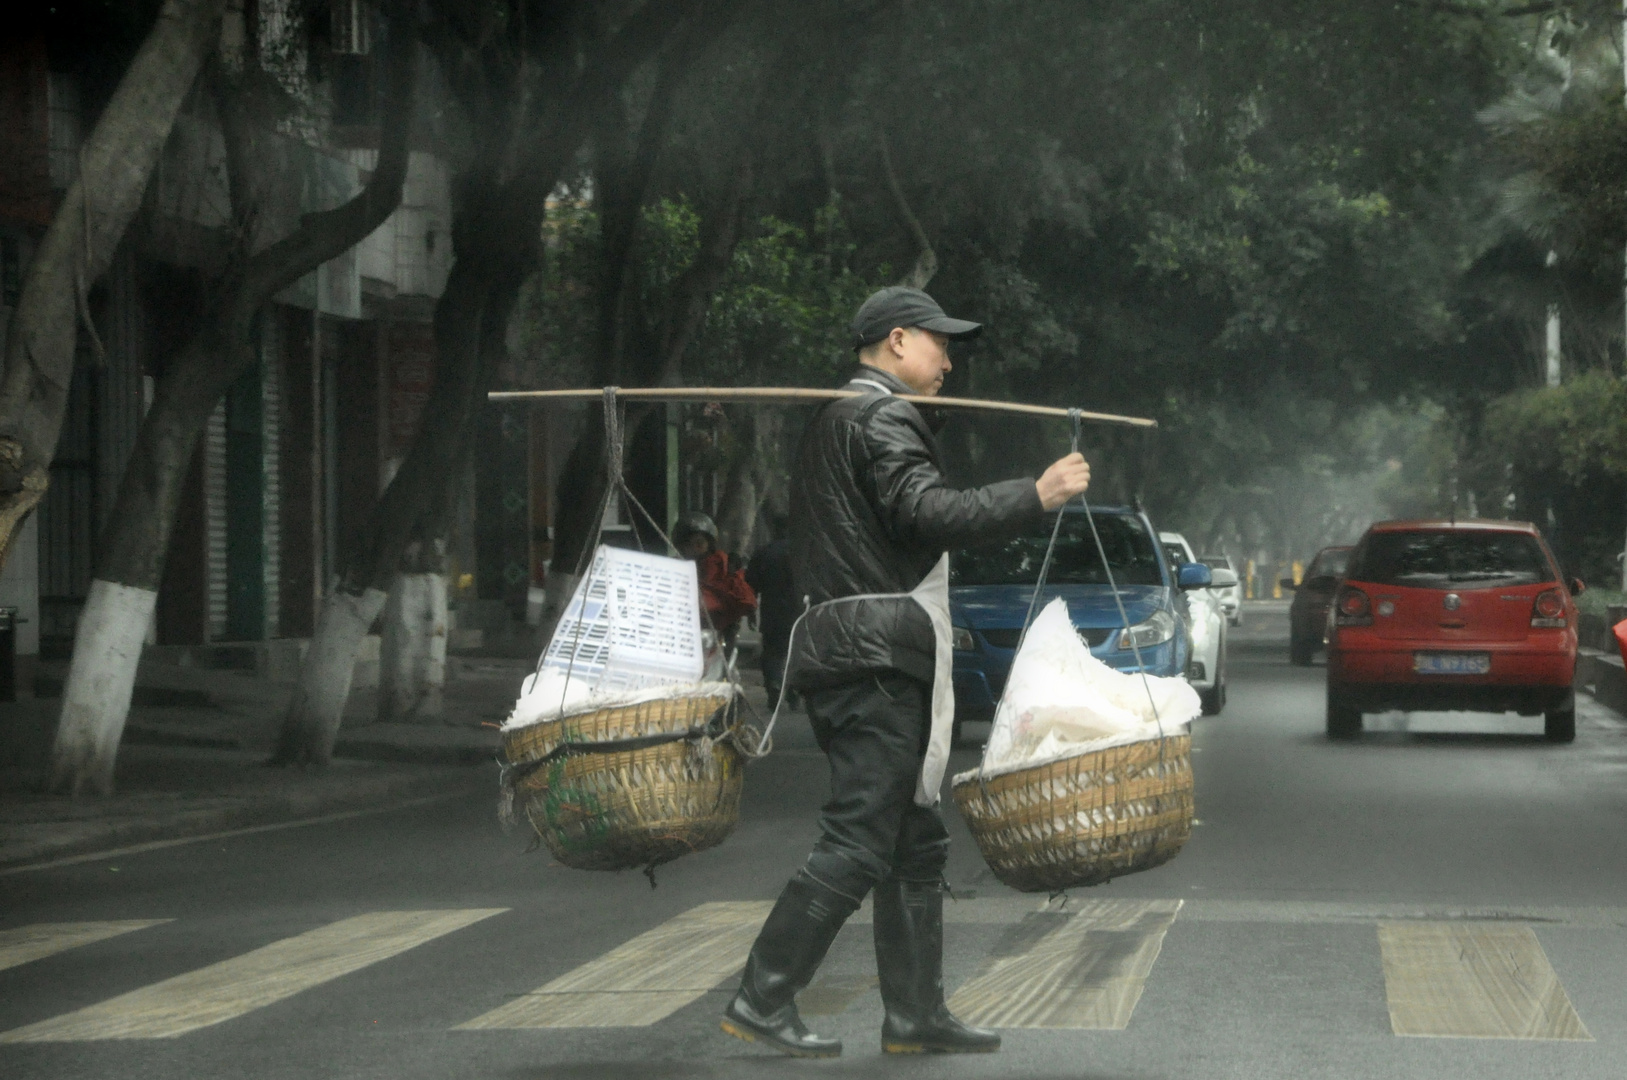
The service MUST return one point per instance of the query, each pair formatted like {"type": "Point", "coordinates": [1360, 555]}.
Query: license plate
{"type": "Point", "coordinates": [1451, 663]}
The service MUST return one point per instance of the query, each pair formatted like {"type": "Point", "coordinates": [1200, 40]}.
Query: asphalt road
{"type": "Point", "coordinates": [1445, 898]}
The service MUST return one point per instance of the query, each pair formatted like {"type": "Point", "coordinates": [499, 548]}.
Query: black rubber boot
{"type": "Point", "coordinates": [909, 961]}
{"type": "Point", "coordinates": [788, 951]}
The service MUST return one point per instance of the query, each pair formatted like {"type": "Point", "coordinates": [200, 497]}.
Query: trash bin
{"type": "Point", "coordinates": [8, 654]}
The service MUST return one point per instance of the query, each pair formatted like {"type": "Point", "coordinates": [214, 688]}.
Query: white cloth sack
{"type": "Point", "coordinates": [933, 596]}
{"type": "Point", "coordinates": [548, 696]}
{"type": "Point", "coordinates": [1061, 701]}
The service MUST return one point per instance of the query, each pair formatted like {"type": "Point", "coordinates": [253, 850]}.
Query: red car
{"type": "Point", "coordinates": [1436, 615]}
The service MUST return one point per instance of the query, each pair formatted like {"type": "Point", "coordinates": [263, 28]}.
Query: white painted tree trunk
{"type": "Point", "coordinates": [314, 715]}
{"type": "Point", "coordinates": [101, 680]}
{"type": "Point", "coordinates": [412, 653]}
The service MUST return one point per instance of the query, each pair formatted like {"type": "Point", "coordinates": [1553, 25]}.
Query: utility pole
{"type": "Point", "coordinates": [1623, 54]}
{"type": "Point", "coordinates": [1552, 344]}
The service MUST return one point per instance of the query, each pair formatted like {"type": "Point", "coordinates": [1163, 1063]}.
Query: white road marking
{"type": "Point", "coordinates": [1457, 980]}
{"type": "Point", "coordinates": [1082, 967]}
{"type": "Point", "coordinates": [644, 980]}
{"type": "Point", "coordinates": [39, 940]}
{"type": "Point", "coordinates": [231, 988]}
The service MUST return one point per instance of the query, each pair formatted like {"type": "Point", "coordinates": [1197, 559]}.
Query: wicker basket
{"type": "Point", "coordinates": [629, 807]}
{"type": "Point", "coordinates": [1083, 820]}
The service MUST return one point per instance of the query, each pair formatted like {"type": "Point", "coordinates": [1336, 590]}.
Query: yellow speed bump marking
{"type": "Point", "coordinates": [1461, 980]}
{"type": "Point", "coordinates": [644, 980]}
{"type": "Point", "coordinates": [39, 940]}
{"type": "Point", "coordinates": [231, 988]}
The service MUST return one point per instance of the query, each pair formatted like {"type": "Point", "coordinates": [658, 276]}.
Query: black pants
{"type": "Point", "coordinates": [875, 731]}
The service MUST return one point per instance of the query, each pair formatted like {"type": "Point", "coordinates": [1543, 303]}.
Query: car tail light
{"type": "Point", "coordinates": [1351, 608]}
{"type": "Point", "coordinates": [1549, 609]}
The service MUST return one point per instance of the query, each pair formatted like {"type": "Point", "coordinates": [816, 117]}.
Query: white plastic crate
{"type": "Point", "coordinates": [633, 622]}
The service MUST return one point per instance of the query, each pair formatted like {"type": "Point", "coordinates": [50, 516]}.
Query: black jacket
{"type": "Point", "coordinates": [870, 513]}
{"type": "Point", "coordinates": [769, 575]}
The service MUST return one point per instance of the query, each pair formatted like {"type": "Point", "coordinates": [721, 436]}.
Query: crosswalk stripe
{"type": "Point", "coordinates": [256, 979]}
{"type": "Point", "coordinates": [1081, 968]}
{"type": "Point", "coordinates": [36, 941]}
{"type": "Point", "coordinates": [1452, 980]}
{"type": "Point", "coordinates": [641, 981]}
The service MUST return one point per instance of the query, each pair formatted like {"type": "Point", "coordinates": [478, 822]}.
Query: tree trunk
{"type": "Point", "coordinates": [582, 482]}
{"type": "Point", "coordinates": [318, 707]}
{"type": "Point", "coordinates": [470, 322]}
{"type": "Point", "coordinates": [412, 654]}
{"type": "Point", "coordinates": [746, 487]}
{"type": "Point", "coordinates": [107, 651]}
{"type": "Point", "coordinates": [115, 163]}
{"type": "Point", "coordinates": [101, 678]}
{"type": "Point", "coordinates": [926, 259]}
{"type": "Point", "coordinates": [495, 239]}
{"type": "Point", "coordinates": [412, 651]}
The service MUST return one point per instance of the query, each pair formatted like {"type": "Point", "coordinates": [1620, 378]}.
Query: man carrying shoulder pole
{"type": "Point", "coordinates": [872, 520]}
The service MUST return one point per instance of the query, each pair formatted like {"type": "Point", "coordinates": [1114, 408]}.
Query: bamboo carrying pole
{"type": "Point", "coordinates": [793, 395]}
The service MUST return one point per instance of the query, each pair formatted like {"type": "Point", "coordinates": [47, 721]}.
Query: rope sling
{"type": "Point", "coordinates": [722, 731]}
{"type": "Point", "coordinates": [1107, 569]}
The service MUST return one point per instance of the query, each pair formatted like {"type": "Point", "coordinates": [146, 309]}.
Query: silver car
{"type": "Point", "coordinates": [1231, 597]}
{"type": "Point", "coordinates": [1207, 671]}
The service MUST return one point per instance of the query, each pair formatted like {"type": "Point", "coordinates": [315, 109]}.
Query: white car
{"type": "Point", "coordinates": [1207, 669]}
{"type": "Point", "coordinates": [1231, 596]}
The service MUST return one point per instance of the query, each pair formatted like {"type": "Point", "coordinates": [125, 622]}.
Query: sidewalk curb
{"type": "Point", "coordinates": [363, 793]}
{"type": "Point", "coordinates": [1604, 676]}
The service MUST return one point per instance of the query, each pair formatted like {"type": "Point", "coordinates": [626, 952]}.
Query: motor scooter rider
{"type": "Point", "coordinates": [724, 592]}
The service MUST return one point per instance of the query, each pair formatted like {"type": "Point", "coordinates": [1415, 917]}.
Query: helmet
{"type": "Point", "coordinates": [691, 523]}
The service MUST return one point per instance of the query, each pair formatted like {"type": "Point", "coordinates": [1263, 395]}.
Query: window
{"type": "Point", "coordinates": [1329, 564]}
{"type": "Point", "coordinates": [1429, 559]}
{"type": "Point", "coordinates": [1130, 553]}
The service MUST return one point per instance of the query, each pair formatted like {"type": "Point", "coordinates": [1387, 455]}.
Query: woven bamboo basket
{"type": "Point", "coordinates": [1083, 820]}
{"type": "Point", "coordinates": [635, 807]}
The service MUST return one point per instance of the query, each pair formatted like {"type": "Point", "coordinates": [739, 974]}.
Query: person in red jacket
{"type": "Point", "coordinates": [724, 592]}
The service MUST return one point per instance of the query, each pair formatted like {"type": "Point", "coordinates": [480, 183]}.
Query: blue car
{"type": "Point", "coordinates": [991, 587]}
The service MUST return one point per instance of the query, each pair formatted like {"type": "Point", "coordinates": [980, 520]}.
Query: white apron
{"type": "Point", "coordinates": [933, 596]}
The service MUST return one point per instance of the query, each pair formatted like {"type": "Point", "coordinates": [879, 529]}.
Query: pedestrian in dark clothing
{"type": "Point", "coordinates": [871, 521]}
{"type": "Point", "coordinates": [769, 575]}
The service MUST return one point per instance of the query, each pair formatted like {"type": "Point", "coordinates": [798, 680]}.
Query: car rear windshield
{"type": "Point", "coordinates": [1329, 564]}
{"type": "Point", "coordinates": [1451, 560]}
{"type": "Point", "coordinates": [1130, 553]}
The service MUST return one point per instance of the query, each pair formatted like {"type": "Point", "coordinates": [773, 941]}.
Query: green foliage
{"type": "Point", "coordinates": [1575, 430]}
{"type": "Point", "coordinates": [1579, 157]}
{"type": "Point", "coordinates": [780, 316]}
{"type": "Point", "coordinates": [1271, 225]}
{"type": "Point", "coordinates": [552, 327]}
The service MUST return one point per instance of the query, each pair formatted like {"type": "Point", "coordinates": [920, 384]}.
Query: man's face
{"type": "Point", "coordinates": [922, 359]}
{"type": "Point", "coordinates": [696, 546]}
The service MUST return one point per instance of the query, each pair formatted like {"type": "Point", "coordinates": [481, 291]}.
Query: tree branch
{"type": "Point", "coordinates": [328, 234]}
{"type": "Point", "coordinates": [926, 262]}
{"type": "Point", "coordinates": [624, 180]}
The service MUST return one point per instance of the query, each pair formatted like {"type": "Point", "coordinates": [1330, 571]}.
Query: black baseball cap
{"type": "Point", "coordinates": [900, 305]}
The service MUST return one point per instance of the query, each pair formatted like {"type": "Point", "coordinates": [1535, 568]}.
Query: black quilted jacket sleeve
{"type": "Point", "coordinates": [917, 508]}
{"type": "Point", "coordinates": [871, 513]}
